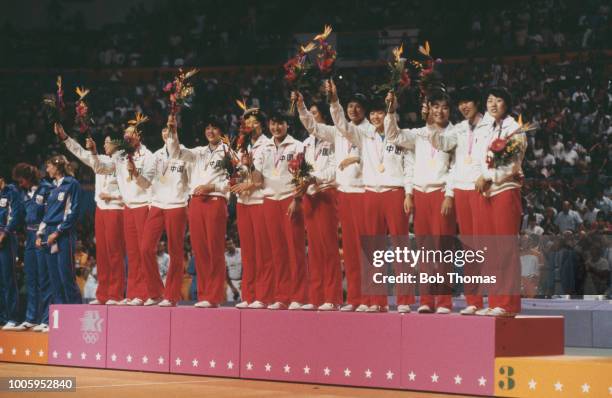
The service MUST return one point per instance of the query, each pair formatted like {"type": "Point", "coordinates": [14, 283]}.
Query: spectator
{"type": "Point", "coordinates": [568, 219]}
{"type": "Point", "coordinates": [163, 260]}
{"type": "Point", "coordinates": [233, 262]}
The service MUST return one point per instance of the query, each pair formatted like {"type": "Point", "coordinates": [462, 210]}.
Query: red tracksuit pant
{"type": "Point", "coordinates": [429, 222]}
{"type": "Point", "coordinates": [207, 226]}
{"type": "Point", "coordinates": [288, 251]}
{"type": "Point", "coordinates": [501, 216]}
{"type": "Point", "coordinates": [256, 254]}
{"type": "Point", "coordinates": [351, 214]}
{"type": "Point", "coordinates": [384, 213]}
{"type": "Point", "coordinates": [174, 222]}
{"type": "Point", "coordinates": [469, 220]}
{"type": "Point", "coordinates": [110, 255]}
{"type": "Point", "coordinates": [325, 275]}
{"type": "Point", "coordinates": [133, 229]}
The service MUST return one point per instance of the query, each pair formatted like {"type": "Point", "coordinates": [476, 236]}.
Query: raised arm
{"type": "Point", "coordinates": [319, 130]}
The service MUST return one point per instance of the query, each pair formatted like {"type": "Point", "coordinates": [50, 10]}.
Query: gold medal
{"type": "Point", "coordinates": [381, 168]}
{"type": "Point", "coordinates": [162, 179]}
{"type": "Point", "coordinates": [468, 159]}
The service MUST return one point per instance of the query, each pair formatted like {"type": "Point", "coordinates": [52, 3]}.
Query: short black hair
{"type": "Point", "coordinates": [361, 99]}
{"type": "Point", "coordinates": [439, 96]}
{"type": "Point", "coordinates": [278, 116]}
{"type": "Point", "coordinates": [323, 109]}
{"type": "Point", "coordinates": [467, 94]}
{"type": "Point", "coordinates": [215, 121]}
{"type": "Point", "coordinates": [503, 93]}
{"type": "Point", "coordinates": [377, 104]}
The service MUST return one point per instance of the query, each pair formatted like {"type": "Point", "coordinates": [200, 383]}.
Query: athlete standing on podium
{"type": "Point", "coordinates": [110, 245]}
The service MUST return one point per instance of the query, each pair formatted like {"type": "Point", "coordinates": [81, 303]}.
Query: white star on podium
{"type": "Point", "coordinates": [160, 360]}
{"type": "Point", "coordinates": [287, 368]}
{"type": "Point", "coordinates": [326, 371]}
{"type": "Point", "coordinates": [41, 353]}
{"type": "Point", "coordinates": [54, 354]}
{"type": "Point", "coordinates": [230, 365]}
{"type": "Point", "coordinates": [114, 358]}
{"type": "Point", "coordinates": [482, 381]}
{"type": "Point", "coordinates": [98, 356]}
{"type": "Point", "coordinates": [249, 366]}
{"type": "Point", "coordinates": [145, 359]}
{"type": "Point", "coordinates": [27, 352]}
{"type": "Point", "coordinates": [178, 361]}
{"type": "Point", "coordinates": [129, 358]}
{"type": "Point", "coordinates": [68, 355]}
{"type": "Point", "coordinates": [390, 375]}
{"type": "Point", "coordinates": [411, 376]}
{"type": "Point", "coordinates": [195, 363]}
{"type": "Point", "coordinates": [14, 351]}
{"type": "Point", "coordinates": [268, 367]}
{"type": "Point", "coordinates": [434, 378]}
{"type": "Point", "coordinates": [532, 384]}
{"type": "Point", "coordinates": [458, 379]}
{"type": "Point", "coordinates": [347, 372]}
{"type": "Point", "coordinates": [83, 356]}
{"type": "Point", "coordinates": [368, 374]}
{"type": "Point", "coordinates": [306, 370]}
{"type": "Point", "coordinates": [610, 390]}
{"type": "Point", "coordinates": [586, 388]}
{"type": "Point", "coordinates": [212, 363]}
{"type": "Point", "coordinates": [1, 350]}
{"type": "Point", "coordinates": [558, 386]}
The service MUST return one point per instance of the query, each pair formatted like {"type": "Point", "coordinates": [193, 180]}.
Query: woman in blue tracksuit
{"type": "Point", "coordinates": [34, 193]}
{"type": "Point", "coordinates": [11, 211]}
{"type": "Point", "coordinates": [56, 232]}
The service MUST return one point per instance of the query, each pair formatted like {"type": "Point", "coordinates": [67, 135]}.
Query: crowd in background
{"type": "Point", "coordinates": [567, 191]}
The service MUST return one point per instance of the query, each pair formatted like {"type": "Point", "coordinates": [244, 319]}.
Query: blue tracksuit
{"type": "Point", "coordinates": [11, 214]}
{"type": "Point", "coordinates": [38, 286]}
{"type": "Point", "coordinates": [63, 205]}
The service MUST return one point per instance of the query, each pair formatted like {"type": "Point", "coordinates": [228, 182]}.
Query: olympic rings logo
{"type": "Point", "coordinates": [90, 338]}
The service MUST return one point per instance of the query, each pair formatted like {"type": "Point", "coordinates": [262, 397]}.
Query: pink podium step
{"type": "Point", "coordinates": [77, 335]}
{"type": "Point", "coordinates": [456, 354]}
{"type": "Point", "coordinates": [205, 341]}
{"type": "Point", "coordinates": [317, 347]}
{"type": "Point", "coordinates": [139, 338]}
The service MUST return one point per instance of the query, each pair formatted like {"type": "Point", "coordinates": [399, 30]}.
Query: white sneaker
{"type": "Point", "coordinates": [205, 304]}
{"type": "Point", "coordinates": [23, 326]}
{"type": "Point", "coordinates": [500, 312]}
{"type": "Point", "coordinates": [43, 327]}
{"type": "Point", "coordinates": [424, 309]}
{"type": "Point", "coordinates": [469, 310]}
{"type": "Point", "coordinates": [377, 308]}
{"type": "Point", "coordinates": [166, 303]}
{"type": "Point", "coordinates": [328, 307]}
{"type": "Point", "coordinates": [242, 305]}
{"type": "Point", "coordinates": [403, 308]}
{"type": "Point", "coordinates": [347, 308]}
{"type": "Point", "coordinates": [95, 302]}
{"type": "Point", "coordinates": [125, 301]}
{"type": "Point", "coordinates": [257, 305]}
{"type": "Point", "coordinates": [277, 306]}
{"type": "Point", "coordinates": [306, 307]}
{"type": "Point", "coordinates": [362, 308]}
{"type": "Point", "coordinates": [295, 306]}
{"type": "Point", "coordinates": [443, 310]}
{"type": "Point", "coordinates": [483, 312]}
{"type": "Point", "coordinates": [149, 302]}
{"type": "Point", "coordinates": [136, 302]}
{"type": "Point", "coordinates": [9, 326]}
{"type": "Point", "coordinates": [113, 302]}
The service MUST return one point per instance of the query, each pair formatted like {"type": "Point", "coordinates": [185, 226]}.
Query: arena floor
{"type": "Point", "coordinates": [92, 383]}
{"type": "Point", "coordinates": [117, 384]}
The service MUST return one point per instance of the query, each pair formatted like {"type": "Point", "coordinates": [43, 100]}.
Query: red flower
{"type": "Point", "coordinates": [295, 163]}
{"type": "Point", "coordinates": [168, 87]}
{"type": "Point", "coordinates": [498, 145]}
{"type": "Point", "coordinates": [81, 109]}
